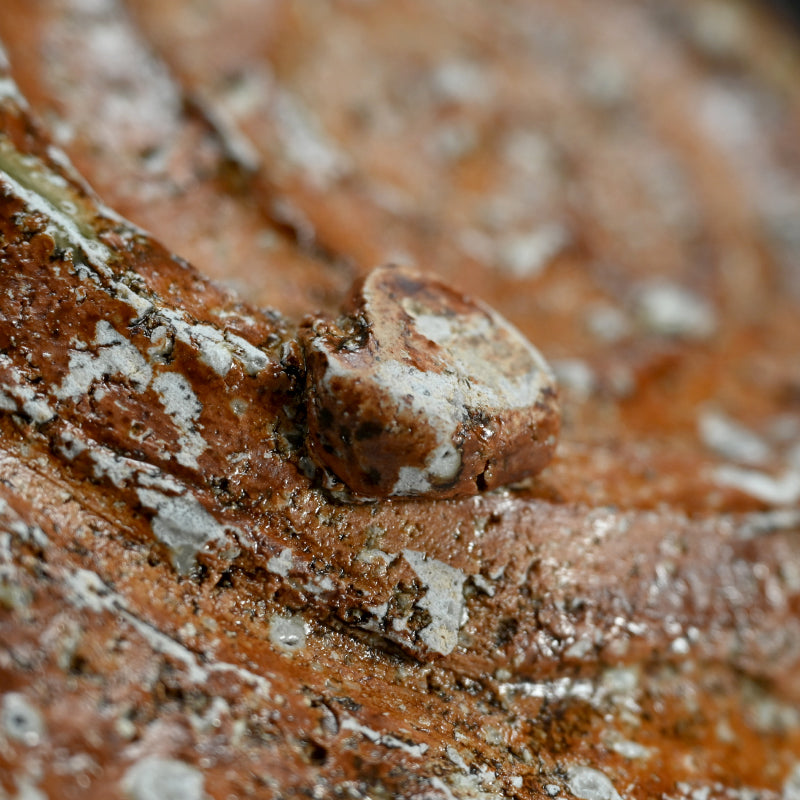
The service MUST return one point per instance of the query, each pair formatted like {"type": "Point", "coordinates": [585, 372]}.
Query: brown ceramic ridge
{"type": "Point", "coordinates": [441, 397]}
{"type": "Point", "coordinates": [190, 410]}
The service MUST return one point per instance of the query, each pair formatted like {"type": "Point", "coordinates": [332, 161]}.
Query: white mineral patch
{"type": "Point", "coordinates": [71, 444]}
{"type": "Point", "coordinates": [217, 349]}
{"type": "Point", "coordinates": [444, 600]}
{"type": "Point", "coordinates": [155, 778]}
{"type": "Point", "coordinates": [214, 350]}
{"type": "Point", "coordinates": [21, 720]}
{"type": "Point", "coordinates": [38, 411]}
{"type": "Point", "coordinates": [791, 788]}
{"type": "Point", "coordinates": [629, 749]}
{"type": "Point", "coordinates": [30, 534]}
{"type": "Point", "coordinates": [526, 255]}
{"type": "Point", "coordinates": [783, 490]}
{"type": "Point", "coordinates": [305, 144]}
{"type": "Point", "coordinates": [373, 555]}
{"type": "Point", "coordinates": [555, 690]}
{"type": "Point", "coordinates": [250, 357]}
{"type": "Point", "coordinates": [161, 340]}
{"type": "Point", "coordinates": [456, 758]}
{"type": "Point", "coordinates": [385, 739]}
{"type": "Point", "coordinates": [480, 786]}
{"type": "Point", "coordinates": [115, 356]}
{"type": "Point", "coordinates": [120, 470]}
{"type": "Point", "coordinates": [617, 686]}
{"type": "Point", "coordinates": [673, 311]}
{"type": "Point", "coordinates": [141, 305]}
{"type": "Point", "coordinates": [590, 784]}
{"type": "Point", "coordinates": [117, 469]}
{"type": "Point", "coordinates": [7, 403]}
{"type": "Point", "coordinates": [287, 633]}
{"type": "Point", "coordinates": [181, 403]}
{"type": "Point", "coordinates": [607, 322]}
{"type": "Point", "coordinates": [731, 439]}
{"type": "Point", "coordinates": [576, 376]}
{"type": "Point", "coordinates": [27, 791]}
{"type": "Point", "coordinates": [85, 589]}
{"type": "Point", "coordinates": [18, 395]}
{"type": "Point", "coordinates": [460, 80]}
{"type": "Point", "coordinates": [182, 524]}
{"type": "Point", "coordinates": [413, 480]}
{"type": "Point", "coordinates": [282, 563]}
{"type": "Point", "coordinates": [9, 91]}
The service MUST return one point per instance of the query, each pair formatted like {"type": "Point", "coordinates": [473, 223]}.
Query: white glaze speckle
{"type": "Point", "coordinates": [181, 403]}
{"type": "Point", "coordinates": [114, 356]}
{"type": "Point", "coordinates": [588, 783]}
{"type": "Point", "coordinates": [156, 778]}
{"type": "Point", "coordinates": [287, 633]}
{"type": "Point", "coordinates": [673, 311]}
{"type": "Point", "coordinates": [182, 524]}
{"type": "Point", "coordinates": [20, 719]}
{"type": "Point", "coordinates": [444, 600]}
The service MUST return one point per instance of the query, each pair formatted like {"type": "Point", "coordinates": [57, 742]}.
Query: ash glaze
{"type": "Point", "coordinates": [420, 391]}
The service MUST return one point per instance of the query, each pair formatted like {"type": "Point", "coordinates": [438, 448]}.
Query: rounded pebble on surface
{"type": "Point", "coordinates": [590, 784]}
{"type": "Point", "coordinates": [423, 392]}
{"type": "Point", "coordinates": [155, 778]}
{"type": "Point", "coordinates": [20, 720]}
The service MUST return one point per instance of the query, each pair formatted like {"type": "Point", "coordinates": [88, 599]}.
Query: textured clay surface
{"type": "Point", "coordinates": [190, 606]}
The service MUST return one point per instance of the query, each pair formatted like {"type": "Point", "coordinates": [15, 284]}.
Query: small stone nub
{"type": "Point", "coordinates": [419, 391]}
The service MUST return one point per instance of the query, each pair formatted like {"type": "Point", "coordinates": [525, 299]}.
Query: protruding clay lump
{"type": "Point", "coordinates": [419, 391]}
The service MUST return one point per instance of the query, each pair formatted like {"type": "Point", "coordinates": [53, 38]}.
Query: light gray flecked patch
{"type": "Point", "coordinates": [670, 310]}
{"type": "Point", "coordinates": [155, 778]}
{"type": "Point", "coordinates": [791, 788]}
{"type": "Point", "coordinates": [117, 469]}
{"type": "Point", "coordinates": [287, 633]}
{"type": "Point", "coordinates": [732, 440]}
{"type": "Point", "coordinates": [182, 405]}
{"type": "Point", "coordinates": [588, 783]}
{"type": "Point", "coordinates": [782, 490]}
{"type": "Point", "coordinates": [18, 395]}
{"type": "Point", "coordinates": [115, 356]}
{"type": "Point", "coordinates": [282, 563]}
{"type": "Point", "coordinates": [21, 720]}
{"type": "Point", "coordinates": [444, 600]}
{"type": "Point", "coordinates": [305, 143]}
{"type": "Point", "coordinates": [7, 403]}
{"type": "Point", "coordinates": [182, 524]}
{"type": "Point", "coordinates": [385, 739]}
